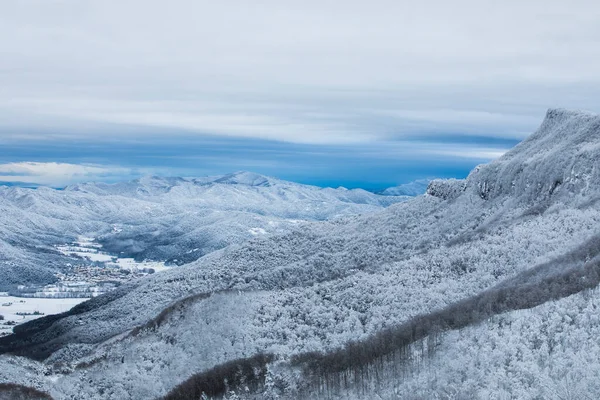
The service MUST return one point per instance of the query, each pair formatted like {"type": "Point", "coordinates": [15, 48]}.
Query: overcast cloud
{"type": "Point", "coordinates": [300, 71]}
{"type": "Point", "coordinates": [56, 174]}
{"type": "Point", "coordinates": [309, 72]}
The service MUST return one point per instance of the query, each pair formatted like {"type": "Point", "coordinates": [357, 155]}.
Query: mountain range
{"type": "Point", "coordinates": [481, 288]}
{"type": "Point", "coordinates": [176, 220]}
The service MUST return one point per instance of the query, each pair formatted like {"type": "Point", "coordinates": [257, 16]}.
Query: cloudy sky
{"type": "Point", "coordinates": [355, 93]}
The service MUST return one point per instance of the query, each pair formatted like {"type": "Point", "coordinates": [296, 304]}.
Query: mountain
{"type": "Point", "coordinates": [176, 220]}
{"type": "Point", "coordinates": [414, 188]}
{"type": "Point", "coordinates": [483, 287]}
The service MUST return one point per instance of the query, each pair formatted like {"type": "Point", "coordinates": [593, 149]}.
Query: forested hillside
{"type": "Point", "coordinates": [483, 287]}
{"type": "Point", "coordinates": [174, 220]}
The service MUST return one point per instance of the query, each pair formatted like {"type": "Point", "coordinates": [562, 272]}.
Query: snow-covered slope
{"type": "Point", "coordinates": [168, 219]}
{"type": "Point", "coordinates": [365, 306]}
{"type": "Point", "coordinates": [414, 188]}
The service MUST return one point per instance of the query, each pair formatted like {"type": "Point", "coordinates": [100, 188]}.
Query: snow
{"type": "Point", "coordinates": [257, 231]}
{"type": "Point", "coordinates": [84, 252]}
{"type": "Point", "coordinates": [414, 188]}
{"type": "Point", "coordinates": [92, 251]}
{"type": "Point", "coordinates": [521, 220]}
{"type": "Point", "coordinates": [158, 219]}
{"type": "Point", "coordinates": [132, 264]}
{"type": "Point", "coordinates": [10, 306]}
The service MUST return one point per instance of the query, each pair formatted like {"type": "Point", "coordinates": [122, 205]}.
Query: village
{"type": "Point", "coordinates": [92, 273]}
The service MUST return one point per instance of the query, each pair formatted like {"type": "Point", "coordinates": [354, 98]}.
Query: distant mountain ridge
{"type": "Point", "coordinates": [483, 287]}
{"type": "Point", "coordinates": [414, 188]}
{"type": "Point", "coordinates": [160, 218]}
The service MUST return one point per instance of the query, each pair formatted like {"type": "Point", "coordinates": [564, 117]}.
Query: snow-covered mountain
{"type": "Point", "coordinates": [414, 188]}
{"type": "Point", "coordinates": [482, 288]}
{"type": "Point", "coordinates": [168, 219]}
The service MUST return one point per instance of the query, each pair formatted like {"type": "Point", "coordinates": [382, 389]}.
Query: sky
{"type": "Point", "coordinates": [333, 93]}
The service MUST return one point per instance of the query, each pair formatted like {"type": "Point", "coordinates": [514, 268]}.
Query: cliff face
{"type": "Point", "coordinates": [559, 161]}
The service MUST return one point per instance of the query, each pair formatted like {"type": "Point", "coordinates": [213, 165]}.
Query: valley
{"type": "Point", "coordinates": [396, 302]}
{"type": "Point", "coordinates": [299, 200]}
{"type": "Point", "coordinates": [87, 267]}
{"type": "Point", "coordinates": [91, 272]}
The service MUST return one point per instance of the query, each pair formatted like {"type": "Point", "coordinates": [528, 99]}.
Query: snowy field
{"type": "Point", "coordinates": [86, 248]}
{"type": "Point", "coordinates": [10, 307]}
